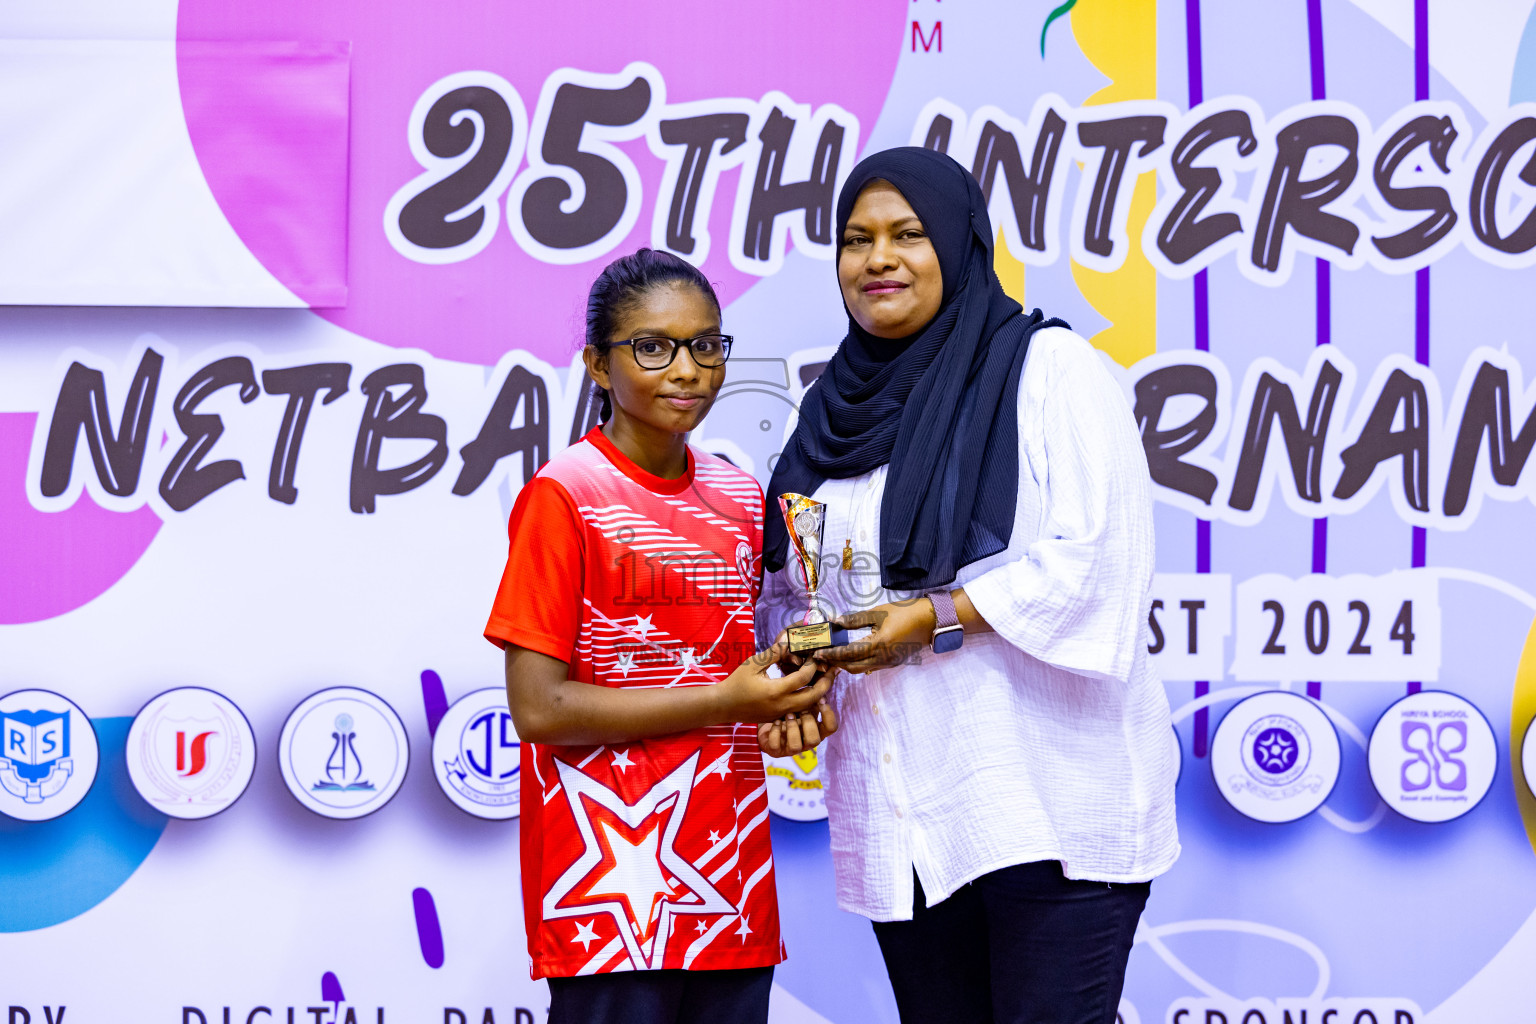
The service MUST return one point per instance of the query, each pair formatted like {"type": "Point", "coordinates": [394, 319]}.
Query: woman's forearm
{"type": "Point", "coordinates": [969, 617]}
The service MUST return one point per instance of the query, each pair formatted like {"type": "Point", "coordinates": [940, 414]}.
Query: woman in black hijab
{"type": "Point", "coordinates": [1001, 785]}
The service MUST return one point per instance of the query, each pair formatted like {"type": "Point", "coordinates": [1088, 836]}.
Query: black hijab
{"type": "Point", "coordinates": [941, 407]}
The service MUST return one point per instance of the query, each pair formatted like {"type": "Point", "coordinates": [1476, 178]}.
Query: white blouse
{"type": "Point", "coordinates": [1049, 739]}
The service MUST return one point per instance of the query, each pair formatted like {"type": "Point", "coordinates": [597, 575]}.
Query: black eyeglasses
{"type": "Point", "coordinates": [657, 352]}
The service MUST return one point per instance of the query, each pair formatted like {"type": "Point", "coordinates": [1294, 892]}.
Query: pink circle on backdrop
{"type": "Point", "coordinates": [54, 562]}
{"type": "Point", "coordinates": [814, 51]}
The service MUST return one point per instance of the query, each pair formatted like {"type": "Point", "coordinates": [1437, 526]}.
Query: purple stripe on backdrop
{"type": "Point", "coordinates": [1421, 49]}
{"type": "Point", "coordinates": [1421, 316]}
{"type": "Point", "coordinates": [1195, 64]}
{"type": "Point", "coordinates": [1324, 281]}
{"type": "Point", "coordinates": [1324, 302]}
{"type": "Point", "coordinates": [1202, 313]}
{"type": "Point", "coordinates": [1202, 741]}
{"type": "Point", "coordinates": [1315, 48]}
{"type": "Point", "coordinates": [1421, 279]}
{"type": "Point", "coordinates": [1192, 43]}
{"type": "Point", "coordinates": [1421, 356]}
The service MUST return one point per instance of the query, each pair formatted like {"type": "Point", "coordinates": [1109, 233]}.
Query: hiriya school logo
{"type": "Point", "coordinates": [475, 755]}
{"type": "Point", "coordinates": [48, 755]}
{"type": "Point", "coordinates": [795, 789]}
{"type": "Point", "coordinates": [1433, 756]}
{"type": "Point", "coordinates": [1275, 757]}
{"type": "Point", "coordinates": [191, 752]}
{"type": "Point", "coordinates": [343, 752]}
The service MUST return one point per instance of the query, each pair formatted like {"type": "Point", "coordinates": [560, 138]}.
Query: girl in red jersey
{"type": "Point", "coordinates": [626, 615]}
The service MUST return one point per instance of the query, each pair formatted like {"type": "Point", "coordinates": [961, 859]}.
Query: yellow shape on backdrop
{"type": "Point", "coordinates": [1522, 710]}
{"type": "Point", "coordinates": [1120, 38]}
{"type": "Point", "coordinates": [1010, 271]}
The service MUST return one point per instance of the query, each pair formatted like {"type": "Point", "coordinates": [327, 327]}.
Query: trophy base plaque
{"type": "Point", "coordinates": [818, 635]}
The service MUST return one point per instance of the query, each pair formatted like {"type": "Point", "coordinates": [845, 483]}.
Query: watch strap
{"type": "Point", "coordinates": [944, 614]}
{"type": "Point", "coordinates": [948, 634]}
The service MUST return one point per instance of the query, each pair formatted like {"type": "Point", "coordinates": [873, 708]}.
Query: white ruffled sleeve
{"type": "Point", "coordinates": [1077, 597]}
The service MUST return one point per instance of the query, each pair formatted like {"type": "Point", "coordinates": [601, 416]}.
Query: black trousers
{"type": "Point", "coordinates": [662, 997]}
{"type": "Point", "coordinates": [1023, 945]}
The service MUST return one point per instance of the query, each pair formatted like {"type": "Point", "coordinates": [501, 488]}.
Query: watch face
{"type": "Point", "coordinates": [949, 640]}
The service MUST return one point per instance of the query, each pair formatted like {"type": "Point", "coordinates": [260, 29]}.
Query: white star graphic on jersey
{"type": "Point", "coordinates": [743, 931]}
{"type": "Point", "coordinates": [626, 662]}
{"type": "Point", "coordinates": [721, 767]}
{"type": "Point", "coordinates": [626, 876]}
{"type": "Point", "coordinates": [636, 870]}
{"type": "Point", "coordinates": [687, 658]}
{"type": "Point", "coordinates": [643, 625]}
{"type": "Point", "coordinates": [622, 762]}
{"type": "Point", "coordinates": [714, 836]}
{"type": "Point", "coordinates": [586, 934]}
{"type": "Point", "coordinates": [701, 926]}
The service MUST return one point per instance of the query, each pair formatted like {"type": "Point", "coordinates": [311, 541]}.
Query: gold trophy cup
{"type": "Point", "coordinates": [806, 521]}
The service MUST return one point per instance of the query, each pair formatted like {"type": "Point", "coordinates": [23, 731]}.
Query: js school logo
{"type": "Point", "coordinates": [476, 755]}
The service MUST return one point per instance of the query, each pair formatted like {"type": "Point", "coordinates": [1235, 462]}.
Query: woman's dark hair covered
{"type": "Point", "coordinates": [619, 287]}
{"type": "Point", "coordinates": [939, 407]}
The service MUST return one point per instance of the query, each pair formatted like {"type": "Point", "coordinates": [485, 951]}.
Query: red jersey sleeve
{"type": "Point", "coordinates": [538, 604]}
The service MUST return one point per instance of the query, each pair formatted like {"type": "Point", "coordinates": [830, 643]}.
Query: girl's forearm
{"type": "Point", "coordinates": [571, 713]}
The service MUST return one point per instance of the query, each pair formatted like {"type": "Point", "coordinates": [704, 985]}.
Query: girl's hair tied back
{"type": "Point", "coordinates": [619, 287]}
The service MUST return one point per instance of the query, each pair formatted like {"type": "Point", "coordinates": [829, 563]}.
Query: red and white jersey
{"type": "Point", "coordinates": [652, 854]}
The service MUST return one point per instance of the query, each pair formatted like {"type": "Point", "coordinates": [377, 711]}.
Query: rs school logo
{"type": "Point", "coordinates": [48, 755]}
{"type": "Point", "coordinates": [1275, 757]}
{"type": "Point", "coordinates": [476, 755]}
{"type": "Point", "coordinates": [191, 752]}
{"type": "Point", "coordinates": [343, 752]}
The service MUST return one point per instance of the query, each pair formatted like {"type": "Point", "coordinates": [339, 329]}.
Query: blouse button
{"type": "Point", "coordinates": [887, 758]}
{"type": "Point", "coordinates": [898, 812]}
{"type": "Point", "coordinates": [875, 708]}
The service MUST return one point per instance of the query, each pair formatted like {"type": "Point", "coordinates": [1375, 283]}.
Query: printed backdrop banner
{"type": "Point", "coordinates": [255, 759]}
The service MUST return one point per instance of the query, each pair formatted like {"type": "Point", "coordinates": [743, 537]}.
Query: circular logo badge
{"type": "Point", "coordinates": [1275, 757]}
{"type": "Point", "coordinates": [191, 752]}
{"type": "Point", "coordinates": [343, 752]}
{"type": "Point", "coordinates": [1528, 757]}
{"type": "Point", "coordinates": [476, 755]}
{"type": "Point", "coordinates": [794, 786]}
{"type": "Point", "coordinates": [1178, 756]}
{"type": "Point", "coordinates": [48, 755]}
{"type": "Point", "coordinates": [1433, 756]}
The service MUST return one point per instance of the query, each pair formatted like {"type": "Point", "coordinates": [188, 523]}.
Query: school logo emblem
{"type": "Point", "coordinates": [48, 755]}
{"type": "Point", "coordinates": [795, 789]}
{"type": "Point", "coordinates": [343, 752]}
{"type": "Point", "coordinates": [1433, 756]}
{"type": "Point", "coordinates": [1275, 757]}
{"type": "Point", "coordinates": [191, 752]}
{"type": "Point", "coordinates": [748, 566]}
{"type": "Point", "coordinates": [1528, 757]}
{"type": "Point", "coordinates": [476, 755]}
